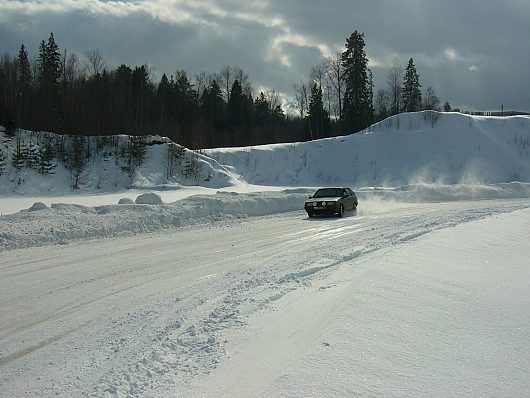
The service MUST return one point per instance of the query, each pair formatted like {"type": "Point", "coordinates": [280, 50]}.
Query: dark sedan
{"type": "Point", "coordinates": [331, 201]}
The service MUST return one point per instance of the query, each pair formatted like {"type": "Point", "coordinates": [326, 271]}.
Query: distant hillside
{"type": "Point", "coordinates": [46, 163]}
{"type": "Point", "coordinates": [424, 147]}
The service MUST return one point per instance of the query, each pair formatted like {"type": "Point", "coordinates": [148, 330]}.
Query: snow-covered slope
{"type": "Point", "coordinates": [105, 168]}
{"type": "Point", "coordinates": [399, 300]}
{"type": "Point", "coordinates": [425, 147]}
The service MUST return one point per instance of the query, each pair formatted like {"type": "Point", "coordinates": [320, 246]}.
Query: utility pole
{"type": "Point", "coordinates": [502, 110]}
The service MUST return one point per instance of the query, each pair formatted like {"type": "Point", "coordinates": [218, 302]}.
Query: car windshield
{"type": "Point", "coordinates": [328, 192]}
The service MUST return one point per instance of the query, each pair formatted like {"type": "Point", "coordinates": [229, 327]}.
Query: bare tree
{"type": "Point", "coordinates": [274, 99]}
{"type": "Point", "coordinates": [226, 77]}
{"type": "Point", "coordinates": [71, 68]}
{"type": "Point", "coordinates": [382, 104]}
{"type": "Point", "coordinates": [394, 80]}
{"type": "Point", "coordinates": [201, 82]}
{"type": "Point", "coordinates": [335, 76]}
{"type": "Point", "coordinates": [242, 77]}
{"type": "Point", "coordinates": [301, 98]}
{"type": "Point", "coordinates": [302, 102]}
{"type": "Point", "coordinates": [431, 101]}
{"type": "Point", "coordinates": [96, 62]}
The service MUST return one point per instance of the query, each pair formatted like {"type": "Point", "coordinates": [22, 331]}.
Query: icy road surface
{"type": "Point", "coordinates": [165, 314]}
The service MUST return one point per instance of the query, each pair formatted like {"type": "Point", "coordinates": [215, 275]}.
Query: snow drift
{"type": "Point", "coordinates": [62, 223]}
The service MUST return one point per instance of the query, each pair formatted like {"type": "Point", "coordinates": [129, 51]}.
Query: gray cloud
{"type": "Point", "coordinates": [474, 53]}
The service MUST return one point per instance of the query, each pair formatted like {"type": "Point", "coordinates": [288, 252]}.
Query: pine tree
{"type": "Point", "coordinates": [447, 107]}
{"type": "Point", "coordinates": [213, 105]}
{"type": "Point", "coordinates": [18, 160]}
{"type": "Point", "coordinates": [140, 98]}
{"type": "Point", "coordinates": [30, 153]}
{"type": "Point", "coordinates": [46, 165]}
{"type": "Point", "coordinates": [10, 127]}
{"type": "Point", "coordinates": [357, 102]}
{"type": "Point", "coordinates": [133, 152]}
{"type": "Point", "coordinates": [48, 75]}
{"type": "Point", "coordinates": [164, 97]}
{"type": "Point", "coordinates": [193, 167]}
{"type": "Point", "coordinates": [77, 159]}
{"type": "Point", "coordinates": [3, 158]}
{"type": "Point", "coordinates": [318, 117]}
{"type": "Point", "coordinates": [172, 150]}
{"type": "Point", "coordinates": [236, 106]}
{"type": "Point", "coordinates": [411, 93]}
{"type": "Point", "coordinates": [261, 109]}
{"type": "Point", "coordinates": [138, 150]}
{"type": "Point", "coordinates": [24, 80]}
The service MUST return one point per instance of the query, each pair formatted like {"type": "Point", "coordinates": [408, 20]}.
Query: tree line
{"type": "Point", "coordinates": [58, 92]}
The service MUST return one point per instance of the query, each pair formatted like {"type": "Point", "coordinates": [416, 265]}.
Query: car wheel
{"type": "Point", "coordinates": [341, 211]}
{"type": "Point", "coordinates": [310, 214]}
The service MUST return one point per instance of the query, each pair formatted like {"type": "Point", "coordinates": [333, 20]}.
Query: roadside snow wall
{"type": "Point", "coordinates": [62, 223]}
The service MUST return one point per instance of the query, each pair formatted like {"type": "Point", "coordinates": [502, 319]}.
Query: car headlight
{"type": "Point", "coordinates": [310, 204]}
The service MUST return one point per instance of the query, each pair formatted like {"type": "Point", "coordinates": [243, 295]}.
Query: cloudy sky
{"type": "Point", "coordinates": [475, 53]}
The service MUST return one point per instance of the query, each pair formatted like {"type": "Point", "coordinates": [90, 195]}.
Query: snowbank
{"type": "Point", "coordinates": [418, 193]}
{"type": "Point", "coordinates": [62, 223]}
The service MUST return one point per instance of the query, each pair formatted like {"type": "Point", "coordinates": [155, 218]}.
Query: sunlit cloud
{"type": "Point", "coordinates": [117, 8]}
{"type": "Point", "coordinates": [451, 54]}
{"type": "Point", "coordinates": [278, 41]}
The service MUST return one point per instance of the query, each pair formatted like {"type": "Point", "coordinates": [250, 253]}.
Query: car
{"type": "Point", "coordinates": [331, 201]}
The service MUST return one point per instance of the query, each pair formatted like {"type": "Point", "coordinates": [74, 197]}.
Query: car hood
{"type": "Point", "coordinates": [325, 199]}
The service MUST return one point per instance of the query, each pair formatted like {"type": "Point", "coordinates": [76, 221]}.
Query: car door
{"type": "Point", "coordinates": [348, 199]}
{"type": "Point", "coordinates": [354, 198]}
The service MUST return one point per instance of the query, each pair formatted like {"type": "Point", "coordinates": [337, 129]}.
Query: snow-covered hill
{"type": "Point", "coordinates": [107, 169]}
{"type": "Point", "coordinates": [425, 147]}
{"type": "Point", "coordinates": [410, 148]}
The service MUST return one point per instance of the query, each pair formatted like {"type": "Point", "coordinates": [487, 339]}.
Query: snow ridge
{"type": "Point", "coordinates": [62, 223]}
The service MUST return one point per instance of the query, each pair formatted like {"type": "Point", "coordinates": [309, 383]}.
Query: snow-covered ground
{"type": "Point", "coordinates": [400, 299]}
{"type": "Point", "coordinates": [225, 291]}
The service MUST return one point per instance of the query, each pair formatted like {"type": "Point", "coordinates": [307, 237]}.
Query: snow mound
{"type": "Point", "coordinates": [38, 206]}
{"type": "Point", "coordinates": [150, 198]}
{"type": "Point", "coordinates": [125, 201]}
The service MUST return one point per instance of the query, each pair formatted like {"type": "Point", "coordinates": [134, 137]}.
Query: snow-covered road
{"type": "Point", "coordinates": [165, 313]}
